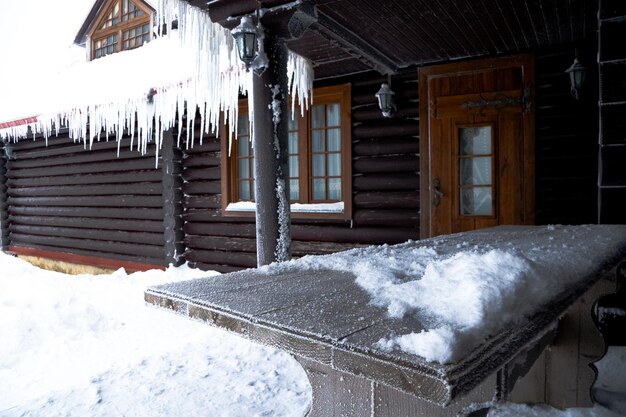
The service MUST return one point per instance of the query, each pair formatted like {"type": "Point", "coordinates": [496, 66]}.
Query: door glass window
{"type": "Point", "coordinates": [475, 168]}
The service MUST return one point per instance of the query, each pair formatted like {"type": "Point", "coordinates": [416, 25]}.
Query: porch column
{"type": "Point", "coordinates": [270, 130]}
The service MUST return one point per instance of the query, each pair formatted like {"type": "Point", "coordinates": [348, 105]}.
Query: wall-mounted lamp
{"type": "Point", "coordinates": [245, 37]}
{"type": "Point", "coordinates": [385, 99]}
{"type": "Point", "coordinates": [577, 73]}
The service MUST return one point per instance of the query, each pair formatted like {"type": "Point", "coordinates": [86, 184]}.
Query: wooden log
{"type": "Point", "coordinates": [205, 159]}
{"type": "Point", "coordinates": [4, 214]}
{"type": "Point", "coordinates": [132, 176]}
{"type": "Point", "coordinates": [139, 213]}
{"type": "Point", "coordinates": [389, 199]}
{"type": "Point", "coordinates": [82, 157]}
{"type": "Point", "coordinates": [373, 113]}
{"type": "Point", "coordinates": [405, 127]}
{"type": "Point", "coordinates": [368, 95]}
{"type": "Point", "coordinates": [66, 147]}
{"type": "Point", "coordinates": [300, 248]}
{"type": "Point", "coordinates": [226, 244]}
{"type": "Point", "coordinates": [149, 251]}
{"type": "Point", "coordinates": [240, 259]}
{"type": "Point", "coordinates": [192, 174]}
{"type": "Point", "coordinates": [212, 201]}
{"type": "Point", "coordinates": [202, 187]}
{"type": "Point", "coordinates": [213, 215]}
{"type": "Point", "coordinates": [101, 259]}
{"type": "Point", "coordinates": [89, 201]}
{"type": "Point", "coordinates": [387, 182]}
{"type": "Point", "coordinates": [391, 218]}
{"type": "Point", "coordinates": [361, 235]}
{"type": "Point", "coordinates": [151, 226]}
{"type": "Point", "coordinates": [209, 144]}
{"type": "Point", "coordinates": [142, 188]}
{"type": "Point", "coordinates": [386, 146]}
{"type": "Point", "coordinates": [93, 234]}
{"type": "Point", "coordinates": [395, 163]}
{"type": "Point", "coordinates": [220, 229]}
{"type": "Point", "coordinates": [110, 166]}
{"type": "Point", "coordinates": [224, 269]}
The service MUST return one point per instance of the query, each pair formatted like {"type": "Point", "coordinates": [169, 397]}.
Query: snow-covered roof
{"type": "Point", "coordinates": [196, 66]}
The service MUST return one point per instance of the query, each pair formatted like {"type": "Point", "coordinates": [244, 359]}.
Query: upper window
{"type": "Point", "coordinates": [124, 25]}
{"type": "Point", "coordinates": [319, 165]}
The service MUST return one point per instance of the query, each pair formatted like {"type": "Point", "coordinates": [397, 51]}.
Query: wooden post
{"type": "Point", "coordinates": [4, 214]}
{"type": "Point", "coordinates": [270, 131]}
{"type": "Point", "coordinates": [171, 166]}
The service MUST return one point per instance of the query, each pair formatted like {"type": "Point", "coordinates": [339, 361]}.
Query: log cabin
{"type": "Point", "coordinates": [493, 70]}
{"type": "Point", "coordinates": [488, 127]}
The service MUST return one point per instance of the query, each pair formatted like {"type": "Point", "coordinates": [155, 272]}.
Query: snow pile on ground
{"type": "Point", "coordinates": [89, 346]}
{"type": "Point", "coordinates": [464, 292]}
{"type": "Point", "coordinates": [523, 410]}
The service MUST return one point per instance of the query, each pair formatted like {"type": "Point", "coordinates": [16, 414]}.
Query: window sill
{"type": "Point", "coordinates": [298, 210]}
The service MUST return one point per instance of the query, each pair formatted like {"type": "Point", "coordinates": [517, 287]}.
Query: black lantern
{"type": "Point", "coordinates": [385, 100]}
{"type": "Point", "coordinates": [577, 74]}
{"type": "Point", "coordinates": [245, 37]}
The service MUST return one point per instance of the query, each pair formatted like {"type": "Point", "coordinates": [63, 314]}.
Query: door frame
{"type": "Point", "coordinates": [426, 104]}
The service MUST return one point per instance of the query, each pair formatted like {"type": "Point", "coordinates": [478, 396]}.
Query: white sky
{"type": "Point", "coordinates": [36, 38]}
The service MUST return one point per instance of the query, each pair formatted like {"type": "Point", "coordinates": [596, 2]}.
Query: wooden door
{"type": "Point", "coordinates": [476, 145]}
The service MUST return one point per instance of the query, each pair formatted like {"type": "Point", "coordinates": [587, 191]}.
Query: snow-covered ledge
{"type": "Point", "coordinates": [432, 327]}
{"type": "Point", "coordinates": [250, 206]}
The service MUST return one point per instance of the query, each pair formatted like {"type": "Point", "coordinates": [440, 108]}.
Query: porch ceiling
{"type": "Point", "coordinates": [349, 36]}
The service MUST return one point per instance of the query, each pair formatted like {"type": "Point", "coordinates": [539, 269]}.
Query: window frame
{"type": "Point", "coordinates": [323, 95]}
{"type": "Point", "coordinates": [95, 34]}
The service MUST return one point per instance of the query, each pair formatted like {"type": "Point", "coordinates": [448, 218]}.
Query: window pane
{"type": "Point", "coordinates": [242, 147]}
{"type": "Point", "coordinates": [244, 169]}
{"type": "Point", "coordinates": [319, 189]}
{"type": "Point", "coordinates": [293, 142]}
{"type": "Point", "coordinates": [294, 166]}
{"type": "Point", "coordinates": [244, 190]}
{"type": "Point", "coordinates": [319, 165]}
{"type": "Point", "coordinates": [319, 144]}
{"type": "Point", "coordinates": [475, 140]}
{"type": "Point", "coordinates": [294, 190]}
{"type": "Point", "coordinates": [334, 139]}
{"type": "Point", "coordinates": [293, 122]}
{"type": "Point", "coordinates": [242, 124]}
{"type": "Point", "coordinates": [334, 189]}
{"type": "Point", "coordinates": [476, 201]}
{"type": "Point", "coordinates": [334, 165]}
{"type": "Point", "coordinates": [317, 116]}
{"type": "Point", "coordinates": [332, 114]}
{"type": "Point", "coordinates": [476, 171]}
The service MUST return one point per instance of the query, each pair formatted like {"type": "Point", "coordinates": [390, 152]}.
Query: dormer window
{"type": "Point", "coordinates": [124, 25]}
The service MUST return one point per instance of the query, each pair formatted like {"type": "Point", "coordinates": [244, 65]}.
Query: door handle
{"type": "Point", "coordinates": [437, 194]}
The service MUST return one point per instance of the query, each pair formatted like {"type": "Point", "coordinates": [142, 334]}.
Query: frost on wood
{"type": "Point", "coordinates": [194, 67]}
{"type": "Point", "coordinates": [284, 237]}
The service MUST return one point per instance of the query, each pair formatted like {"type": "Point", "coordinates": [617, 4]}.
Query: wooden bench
{"type": "Point", "coordinates": [327, 322]}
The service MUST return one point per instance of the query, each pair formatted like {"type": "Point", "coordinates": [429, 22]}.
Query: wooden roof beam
{"type": "Point", "coordinates": [309, 16]}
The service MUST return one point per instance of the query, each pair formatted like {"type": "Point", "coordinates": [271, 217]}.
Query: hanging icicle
{"type": "Point", "coordinates": [195, 67]}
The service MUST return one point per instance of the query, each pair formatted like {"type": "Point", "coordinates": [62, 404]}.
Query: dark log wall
{"type": "Point", "coordinates": [63, 198]}
{"type": "Point", "coordinates": [612, 68]}
{"type": "Point", "coordinates": [385, 188]}
{"type": "Point", "coordinates": [566, 139]}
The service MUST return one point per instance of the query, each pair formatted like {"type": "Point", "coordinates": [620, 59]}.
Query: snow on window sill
{"type": "Point", "coordinates": [250, 206]}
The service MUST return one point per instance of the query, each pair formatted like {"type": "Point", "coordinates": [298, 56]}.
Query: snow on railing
{"type": "Point", "coordinates": [147, 91]}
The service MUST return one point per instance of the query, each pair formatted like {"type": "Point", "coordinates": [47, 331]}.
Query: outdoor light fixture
{"type": "Point", "coordinates": [577, 74]}
{"type": "Point", "coordinates": [245, 37]}
{"type": "Point", "coordinates": [385, 99]}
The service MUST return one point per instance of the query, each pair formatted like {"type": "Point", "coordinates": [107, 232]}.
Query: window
{"type": "Point", "coordinates": [124, 25]}
{"type": "Point", "coordinates": [319, 167]}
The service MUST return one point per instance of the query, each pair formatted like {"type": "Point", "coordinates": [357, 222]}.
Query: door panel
{"type": "Point", "coordinates": [463, 101]}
